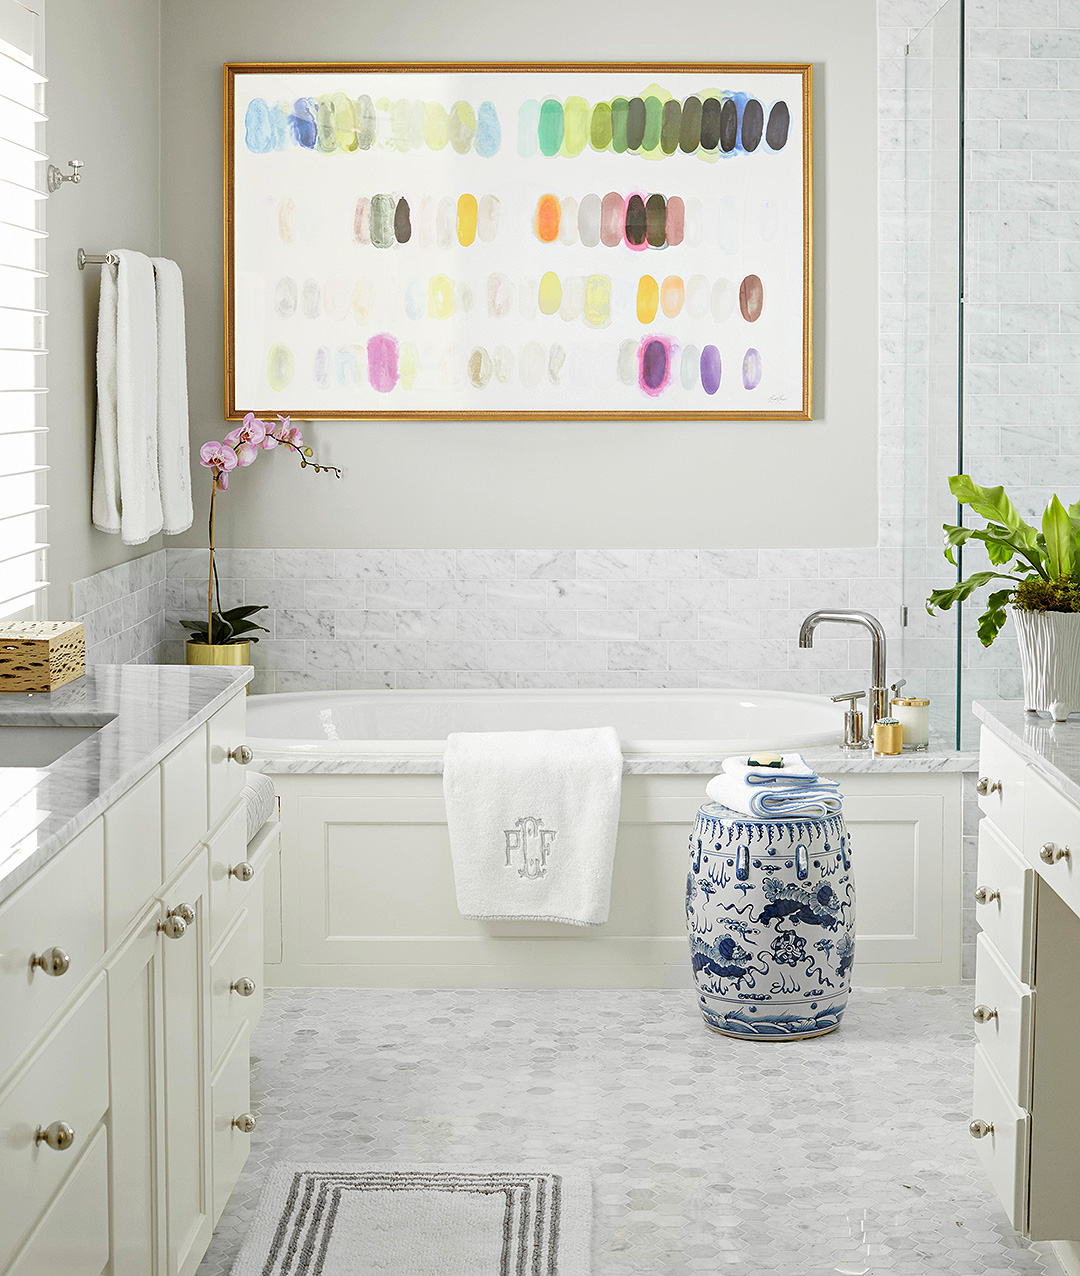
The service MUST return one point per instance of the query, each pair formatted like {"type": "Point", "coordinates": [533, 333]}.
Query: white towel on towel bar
{"type": "Point", "coordinates": [127, 497]}
{"type": "Point", "coordinates": [174, 465]}
{"type": "Point", "coordinates": [533, 817]}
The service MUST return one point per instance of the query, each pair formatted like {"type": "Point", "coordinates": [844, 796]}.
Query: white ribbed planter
{"type": "Point", "coordinates": [1050, 659]}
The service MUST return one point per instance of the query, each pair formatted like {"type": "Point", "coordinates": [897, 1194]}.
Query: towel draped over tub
{"type": "Point", "coordinates": [533, 817]}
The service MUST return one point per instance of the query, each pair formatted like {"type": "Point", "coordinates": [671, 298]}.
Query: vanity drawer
{"type": "Point", "coordinates": [1006, 1036]}
{"type": "Point", "coordinates": [1007, 884]}
{"type": "Point", "coordinates": [231, 1098]}
{"type": "Point", "coordinates": [73, 1237]}
{"type": "Point", "coordinates": [228, 892]}
{"type": "Point", "coordinates": [1052, 829]}
{"type": "Point", "coordinates": [1004, 1149]}
{"type": "Point", "coordinates": [240, 958]}
{"type": "Point", "coordinates": [184, 818]}
{"type": "Point", "coordinates": [226, 732]}
{"type": "Point", "coordinates": [132, 854]}
{"type": "Point", "coordinates": [62, 905]}
{"type": "Point", "coordinates": [66, 1080]}
{"type": "Point", "coordinates": [1004, 773]}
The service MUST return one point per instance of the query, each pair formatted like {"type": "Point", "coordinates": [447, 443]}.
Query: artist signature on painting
{"type": "Point", "coordinates": [778, 398]}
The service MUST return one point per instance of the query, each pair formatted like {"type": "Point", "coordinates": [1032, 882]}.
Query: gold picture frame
{"type": "Point", "coordinates": [240, 383]}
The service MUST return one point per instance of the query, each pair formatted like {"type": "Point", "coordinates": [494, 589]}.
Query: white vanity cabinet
{"type": "Point", "coordinates": [111, 1161]}
{"type": "Point", "coordinates": [1026, 1104]}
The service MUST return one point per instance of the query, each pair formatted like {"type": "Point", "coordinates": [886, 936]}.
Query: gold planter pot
{"type": "Point", "coordinates": [218, 653]}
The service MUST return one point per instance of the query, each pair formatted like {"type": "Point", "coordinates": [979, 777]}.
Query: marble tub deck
{"type": "Point", "coordinates": [846, 1154]}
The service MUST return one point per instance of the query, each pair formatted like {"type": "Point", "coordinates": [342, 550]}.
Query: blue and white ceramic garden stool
{"type": "Point", "coordinates": [770, 912]}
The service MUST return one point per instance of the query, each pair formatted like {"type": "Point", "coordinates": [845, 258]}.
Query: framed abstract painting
{"type": "Point", "coordinates": [518, 241]}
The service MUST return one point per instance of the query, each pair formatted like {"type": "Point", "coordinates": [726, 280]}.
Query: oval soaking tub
{"type": "Point", "coordinates": [346, 724]}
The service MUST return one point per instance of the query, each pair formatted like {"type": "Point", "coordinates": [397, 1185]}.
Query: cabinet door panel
{"type": "Point", "coordinates": [232, 1098]}
{"type": "Point", "coordinates": [132, 854]}
{"type": "Point", "coordinates": [226, 731]}
{"type": "Point", "coordinates": [237, 959]}
{"type": "Point", "coordinates": [49, 1088]}
{"type": "Point", "coordinates": [61, 906]}
{"type": "Point", "coordinates": [228, 894]}
{"type": "Point", "coordinates": [183, 800]}
{"type": "Point", "coordinates": [1006, 773]}
{"type": "Point", "coordinates": [1007, 1035]}
{"type": "Point", "coordinates": [185, 973]}
{"type": "Point", "coordinates": [1003, 1151]}
{"type": "Point", "coordinates": [136, 1076]}
{"type": "Point", "coordinates": [73, 1237]}
{"type": "Point", "coordinates": [1007, 914]}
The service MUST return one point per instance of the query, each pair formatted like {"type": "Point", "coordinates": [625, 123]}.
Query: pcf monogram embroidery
{"type": "Point", "coordinates": [529, 838]}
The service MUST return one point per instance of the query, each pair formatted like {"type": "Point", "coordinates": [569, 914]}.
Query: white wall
{"type": "Point", "coordinates": [551, 484]}
{"type": "Point", "coordinates": [103, 62]}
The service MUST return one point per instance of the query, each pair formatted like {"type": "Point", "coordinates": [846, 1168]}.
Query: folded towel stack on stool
{"type": "Point", "coordinates": [782, 787]}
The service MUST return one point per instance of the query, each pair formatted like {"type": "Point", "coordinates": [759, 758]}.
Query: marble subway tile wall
{"type": "Point", "coordinates": [1022, 310]}
{"type": "Point", "coordinates": [123, 611]}
{"type": "Point", "coordinates": [343, 619]}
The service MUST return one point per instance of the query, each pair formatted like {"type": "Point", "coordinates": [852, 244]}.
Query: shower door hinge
{"type": "Point", "coordinates": [903, 617]}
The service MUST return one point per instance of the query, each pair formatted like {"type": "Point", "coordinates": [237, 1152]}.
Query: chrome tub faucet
{"type": "Point", "coordinates": [879, 689]}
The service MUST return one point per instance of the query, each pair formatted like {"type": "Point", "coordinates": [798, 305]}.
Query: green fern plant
{"type": "Point", "coordinates": [1043, 562]}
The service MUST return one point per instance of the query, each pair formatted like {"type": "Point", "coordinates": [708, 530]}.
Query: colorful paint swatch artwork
{"type": "Point", "coordinates": [559, 241]}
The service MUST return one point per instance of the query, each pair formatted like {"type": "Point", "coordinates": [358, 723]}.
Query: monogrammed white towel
{"type": "Point", "coordinates": [533, 817]}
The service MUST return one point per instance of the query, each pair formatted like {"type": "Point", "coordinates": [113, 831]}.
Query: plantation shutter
{"type": "Point", "coordinates": [22, 311]}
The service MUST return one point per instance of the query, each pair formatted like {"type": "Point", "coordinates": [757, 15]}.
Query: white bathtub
{"type": "Point", "coordinates": [363, 893]}
{"type": "Point", "coordinates": [356, 724]}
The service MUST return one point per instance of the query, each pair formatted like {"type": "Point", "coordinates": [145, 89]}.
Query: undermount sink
{"type": "Point", "coordinates": [35, 745]}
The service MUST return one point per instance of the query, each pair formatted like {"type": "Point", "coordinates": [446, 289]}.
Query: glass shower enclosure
{"type": "Point", "coordinates": [930, 402]}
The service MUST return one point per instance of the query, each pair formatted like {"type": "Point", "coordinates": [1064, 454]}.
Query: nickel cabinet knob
{"type": "Point", "coordinates": [241, 754]}
{"type": "Point", "coordinates": [986, 785]}
{"type": "Point", "coordinates": [986, 895]}
{"type": "Point", "coordinates": [243, 872]}
{"type": "Point", "coordinates": [980, 1129]}
{"type": "Point", "coordinates": [245, 987]}
{"type": "Point", "coordinates": [983, 1014]}
{"type": "Point", "coordinates": [245, 1122]}
{"type": "Point", "coordinates": [173, 927]}
{"type": "Point", "coordinates": [1051, 853]}
{"type": "Point", "coordinates": [185, 912]}
{"type": "Point", "coordinates": [59, 1136]}
{"type": "Point", "coordinates": [53, 961]}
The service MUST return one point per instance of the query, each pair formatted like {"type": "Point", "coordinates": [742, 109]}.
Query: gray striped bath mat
{"type": "Point", "coordinates": [419, 1220]}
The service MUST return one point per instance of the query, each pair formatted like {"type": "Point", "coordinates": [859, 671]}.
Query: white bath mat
{"type": "Point", "coordinates": [419, 1220]}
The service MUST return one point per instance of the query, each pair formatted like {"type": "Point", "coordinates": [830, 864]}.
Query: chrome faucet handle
{"type": "Point", "coordinates": [853, 720]}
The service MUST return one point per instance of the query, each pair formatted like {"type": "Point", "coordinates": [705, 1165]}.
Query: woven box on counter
{"type": "Point", "coordinates": [40, 655]}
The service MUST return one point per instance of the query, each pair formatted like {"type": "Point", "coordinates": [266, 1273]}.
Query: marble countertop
{"type": "Point", "coordinates": [1053, 747]}
{"type": "Point", "coordinates": [147, 710]}
{"type": "Point", "coordinates": [831, 760]}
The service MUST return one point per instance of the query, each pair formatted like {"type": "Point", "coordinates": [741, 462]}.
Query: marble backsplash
{"type": "Point", "coordinates": [123, 611]}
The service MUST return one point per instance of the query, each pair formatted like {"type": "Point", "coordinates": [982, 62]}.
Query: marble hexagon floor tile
{"type": "Point", "coordinates": [843, 1155]}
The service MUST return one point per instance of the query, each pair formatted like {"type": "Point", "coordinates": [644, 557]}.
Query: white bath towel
{"type": "Point", "coordinates": [779, 801]}
{"type": "Point", "coordinates": [174, 466]}
{"type": "Point", "coordinates": [533, 817]}
{"type": "Point", "coordinates": [127, 497]}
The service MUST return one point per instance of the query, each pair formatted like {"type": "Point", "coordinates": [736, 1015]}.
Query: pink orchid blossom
{"type": "Point", "coordinates": [220, 458]}
{"type": "Point", "coordinates": [289, 433]}
{"type": "Point", "coordinates": [246, 439]}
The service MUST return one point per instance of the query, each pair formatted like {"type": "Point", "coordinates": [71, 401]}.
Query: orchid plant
{"type": "Point", "coordinates": [240, 448]}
